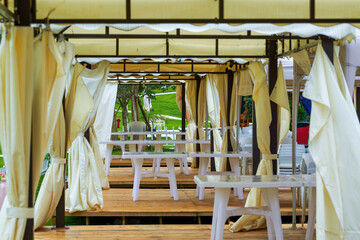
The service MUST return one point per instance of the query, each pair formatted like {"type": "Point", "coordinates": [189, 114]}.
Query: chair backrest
{"type": "Point", "coordinates": [309, 163]}
{"type": "Point", "coordinates": [137, 126]}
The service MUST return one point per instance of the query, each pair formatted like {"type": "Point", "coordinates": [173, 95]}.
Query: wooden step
{"type": "Point", "coordinates": [157, 202]}
{"type": "Point", "coordinates": [123, 177]}
{"type": "Point", "coordinates": [136, 232]}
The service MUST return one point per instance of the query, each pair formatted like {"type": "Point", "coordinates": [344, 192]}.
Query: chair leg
{"type": "Point", "coordinates": [235, 167]}
{"type": "Point", "coordinates": [108, 157]}
{"type": "Point", "coordinates": [203, 169]}
{"type": "Point", "coordinates": [184, 160]}
{"type": "Point", "coordinates": [172, 178]}
{"type": "Point", "coordinates": [219, 213]}
{"type": "Point", "coordinates": [137, 178]}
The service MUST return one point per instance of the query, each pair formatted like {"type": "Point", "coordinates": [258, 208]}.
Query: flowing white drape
{"type": "Point", "coordinates": [334, 140]}
{"type": "Point", "coordinates": [53, 182]}
{"type": "Point", "coordinates": [213, 103]}
{"type": "Point", "coordinates": [31, 73]}
{"type": "Point", "coordinates": [104, 116]}
{"type": "Point", "coordinates": [86, 174]}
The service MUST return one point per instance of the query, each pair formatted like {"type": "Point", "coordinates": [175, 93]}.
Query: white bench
{"type": "Point", "coordinates": [137, 159]}
{"type": "Point", "coordinates": [269, 187]}
{"type": "Point", "coordinates": [234, 158]}
{"type": "Point", "coordinates": [179, 147]}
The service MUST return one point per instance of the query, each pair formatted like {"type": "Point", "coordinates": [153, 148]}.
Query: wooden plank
{"type": "Point", "coordinates": [157, 202]}
{"type": "Point", "coordinates": [135, 232]}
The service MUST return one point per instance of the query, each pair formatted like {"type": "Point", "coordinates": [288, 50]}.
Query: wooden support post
{"type": "Point", "coordinates": [229, 93]}
{"type": "Point", "coordinates": [272, 47]}
{"type": "Point", "coordinates": [357, 99]}
{"type": "Point", "coordinates": [24, 18]}
{"type": "Point", "coordinates": [60, 208]}
{"type": "Point", "coordinates": [183, 109]}
{"type": "Point", "coordinates": [198, 81]}
{"type": "Point", "coordinates": [255, 148]}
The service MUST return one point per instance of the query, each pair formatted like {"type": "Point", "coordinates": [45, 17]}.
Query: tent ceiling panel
{"type": "Point", "coordinates": [242, 47]}
{"type": "Point", "coordinates": [264, 9]}
{"type": "Point", "coordinates": [192, 47]}
{"type": "Point", "coordinates": [142, 47]}
{"type": "Point", "coordinates": [94, 46]}
{"type": "Point", "coordinates": [81, 9]}
{"type": "Point", "coordinates": [174, 9]}
{"type": "Point", "coordinates": [328, 9]}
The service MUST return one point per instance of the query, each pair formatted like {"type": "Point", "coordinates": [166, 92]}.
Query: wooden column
{"type": "Point", "coordinates": [198, 81]}
{"type": "Point", "coordinates": [230, 86]}
{"type": "Point", "coordinates": [272, 47]}
{"type": "Point", "coordinates": [183, 109]}
{"type": "Point", "coordinates": [255, 148]}
{"type": "Point", "coordinates": [60, 209]}
{"type": "Point", "coordinates": [357, 99]}
{"type": "Point", "coordinates": [23, 14]}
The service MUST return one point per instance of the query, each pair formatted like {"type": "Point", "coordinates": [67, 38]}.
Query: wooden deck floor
{"type": "Point", "coordinates": [157, 202]}
{"type": "Point", "coordinates": [136, 232]}
{"type": "Point", "coordinates": [123, 177]}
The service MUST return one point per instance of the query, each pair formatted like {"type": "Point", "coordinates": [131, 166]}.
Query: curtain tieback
{"type": "Point", "coordinates": [18, 212]}
{"type": "Point", "coordinates": [229, 127]}
{"type": "Point", "coordinates": [269, 156]}
{"type": "Point", "coordinates": [59, 160]}
{"type": "Point", "coordinates": [81, 134]}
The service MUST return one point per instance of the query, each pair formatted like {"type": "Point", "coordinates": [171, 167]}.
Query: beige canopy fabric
{"type": "Point", "coordinates": [191, 96]}
{"type": "Point", "coordinates": [222, 87]}
{"type": "Point", "coordinates": [263, 120]}
{"type": "Point", "coordinates": [53, 182]}
{"type": "Point", "coordinates": [245, 84]}
{"type": "Point", "coordinates": [333, 122]}
{"type": "Point", "coordinates": [29, 109]}
{"type": "Point", "coordinates": [213, 102]}
{"type": "Point", "coordinates": [85, 180]}
{"type": "Point", "coordinates": [280, 97]}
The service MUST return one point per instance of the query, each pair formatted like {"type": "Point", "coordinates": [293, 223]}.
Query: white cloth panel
{"type": "Point", "coordinates": [103, 121]}
{"type": "Point", "coordinates": [53, 182]}
{"type": "Point", "coordinates": [31, 90]}
{"type": "Point", "coordinates": [85, 181]}
{"type": "Point", "coordinates": [334, 139]}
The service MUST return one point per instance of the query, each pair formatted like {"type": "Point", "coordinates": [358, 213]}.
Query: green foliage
{"type": "Point", "coordinates": [247, 107]}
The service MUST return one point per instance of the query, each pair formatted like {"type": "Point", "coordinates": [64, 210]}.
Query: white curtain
{"type": "Point", "coordinates": [53, 182]}
{"type": "Point", "coordinates": [191, 96]}
{"type": "Point", "coordinates": [213, 103]}
{"type": "Point", "coordinates": [334, 140]}
{"type": "Point", "coordinates": [104, 116]}
{"type": "Point", "coordinates": [31, 89]}
{"type": "Point", "coordinates": [86, 171]}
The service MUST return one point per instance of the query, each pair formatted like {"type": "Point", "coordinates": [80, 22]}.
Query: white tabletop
{"type": "Point", "coordinates": [226, 181]}
{"type": "Point", "coordinates": [152, 142]}
{"type": "Point", "coordinates": [147, 133]}
{"type": "Point", "coordinates": [154, 155]}
{"type": "Point", "coordinates": [219, 154]}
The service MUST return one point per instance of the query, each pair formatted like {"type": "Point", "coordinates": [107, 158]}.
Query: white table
{"type": "Point", "coordinates": [234, 158]}
{"type": "Point", "coordinates": [179, 147]}
{"type": "Point", "coordinates": [138, 158]}
{"type": "Point", "coordinates": [147, 133]}
{"type": "Point", "coordinates": [269, 187]}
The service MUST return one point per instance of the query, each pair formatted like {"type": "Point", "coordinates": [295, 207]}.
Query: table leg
{"type": "Point", "coordinates": [235, 167]}
{"type": "Point", "coordinates": [137, 177]}
{"type": "Point", "coordinates": [172, 178]}
{"type": "Point", "coordinates": [108, 157]}
{"type": "Point", "coordinates": [271, 199]}
{"type": "Point", "coordinates": [312, 215]}
{"type": "Point", "coordinates": [219, 213]}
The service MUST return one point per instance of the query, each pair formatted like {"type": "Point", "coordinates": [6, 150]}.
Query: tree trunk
{"type": "Point", "coordinates": [125, 114]}
{"type": "Point", "coordinates": [134, 103]}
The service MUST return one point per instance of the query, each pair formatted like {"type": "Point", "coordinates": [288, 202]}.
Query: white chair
{"type": "Point", "coordinates": [285, 158]}
{"type": "Point", "coordinates": [245, 145]}
{"type": "Point", "coordinates": [136, 126]}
